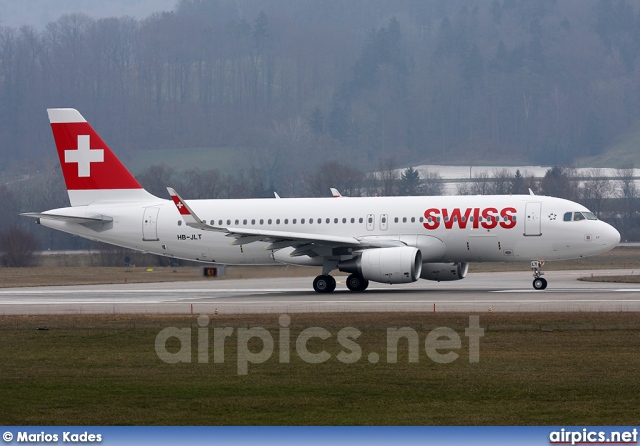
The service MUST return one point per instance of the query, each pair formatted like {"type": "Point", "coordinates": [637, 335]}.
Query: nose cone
{"type": "Point", "coordinates": [610, 236]}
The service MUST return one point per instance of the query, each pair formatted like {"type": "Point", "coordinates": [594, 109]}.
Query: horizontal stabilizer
{"type": "Point", "coordinates": [70, 218]}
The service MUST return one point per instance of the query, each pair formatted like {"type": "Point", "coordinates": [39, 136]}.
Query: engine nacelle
{"type": "Point", "coordinates": [443, 272]}
{"type": "Point", "coordinates": [386, 265]}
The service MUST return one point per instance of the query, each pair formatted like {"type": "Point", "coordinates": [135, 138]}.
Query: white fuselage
{"type": "Point", "coordinates": [445, 228]}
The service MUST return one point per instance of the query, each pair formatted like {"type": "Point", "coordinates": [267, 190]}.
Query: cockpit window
{"type": "Point", "coordinates": [579, 216]}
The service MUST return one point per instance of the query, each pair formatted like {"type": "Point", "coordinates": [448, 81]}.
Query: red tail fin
{"type": "Point", "coordinates": [91, 171]}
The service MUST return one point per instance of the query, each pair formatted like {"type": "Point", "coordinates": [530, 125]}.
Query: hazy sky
{"type": "Point", "coordinates": [38, 13]}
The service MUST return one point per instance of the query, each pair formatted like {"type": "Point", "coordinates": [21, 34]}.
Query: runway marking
{"type": "Point", "coordinates": [572, 290]}
{"type": "Point", "coordinates": [273, 302]}
{"type": "Point", "coordinates": [234, 291]}
{"type": "Point", "coordinates": [148, 291]}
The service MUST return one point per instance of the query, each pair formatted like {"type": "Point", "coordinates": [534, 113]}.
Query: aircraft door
{"type": "Point", "coordinates": [384, 220]}
{"type": "Point", "coordinates": [371, 222]}
{"type": "Point", "coordinates": [150, 224]}
{"type": "Point", "coordinates": [532, 219]}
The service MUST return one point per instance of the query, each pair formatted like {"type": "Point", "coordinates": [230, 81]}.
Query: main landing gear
{"type": "Point", "coordinates": [326, 283]}
{"type": "Point", "coordinates": [538, 282]}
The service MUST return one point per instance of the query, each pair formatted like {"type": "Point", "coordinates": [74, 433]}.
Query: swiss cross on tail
{"type": "Point", "coordinates": [84, 156]}
{"type": "Point", "coordinates": [87, 162]}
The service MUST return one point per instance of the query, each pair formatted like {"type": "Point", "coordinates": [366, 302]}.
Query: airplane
{"type": "Point", "coordinates": [390, 240]}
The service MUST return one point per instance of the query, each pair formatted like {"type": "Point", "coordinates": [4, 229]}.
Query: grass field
{"type": "Point", "coordinates": [566, 369]}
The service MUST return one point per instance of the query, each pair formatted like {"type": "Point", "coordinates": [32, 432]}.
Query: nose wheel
{"type": "Point", "coordinates": [539, 283]}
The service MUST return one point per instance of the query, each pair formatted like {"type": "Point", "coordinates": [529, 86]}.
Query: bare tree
{"type": "Point", "coordinates": [17, 248]}
{"type": "Point", "coordinates": [627, 191]}
{"type": "Point", "coordinates": [156, 178]}
{"type": "Point", "coordinates": [432, 183]}
{"type": "Point", "coordinates": [482, 184]}
{"type": "Point", "coordinates": [502, 182]}
{"type": "Point", "coordinates": [346, 179]}
{"type": "Point", "coordinates": [388, 178]}
{"type": "Point", "coordinates": [202, 184]}
{"type": "Point", "coordinates": [595, 189]}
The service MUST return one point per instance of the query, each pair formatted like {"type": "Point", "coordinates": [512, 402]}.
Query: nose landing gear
{"type": "Point", "coordinates": [539, 283]}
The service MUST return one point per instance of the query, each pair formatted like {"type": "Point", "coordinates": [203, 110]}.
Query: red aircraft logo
{"type": "Point", "coordinates": [487, 218]}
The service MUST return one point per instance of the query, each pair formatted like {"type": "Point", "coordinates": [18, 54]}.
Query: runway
{"type": "Point", "coordinates": [479, 292]}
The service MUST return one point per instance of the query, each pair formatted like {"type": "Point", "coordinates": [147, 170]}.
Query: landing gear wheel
{"type": "Point", "coordinates": [324, 284]}
{"type": "Point", "coordinates": [357, 283]}
{"type": "Point", "coordinates": [540, 283]}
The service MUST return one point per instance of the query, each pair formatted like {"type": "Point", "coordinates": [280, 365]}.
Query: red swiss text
{"type": "Point", "coordinates": [487, 218]}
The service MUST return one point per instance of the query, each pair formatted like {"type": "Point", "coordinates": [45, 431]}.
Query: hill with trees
{"type": "Point", "coordinates": [307, 93]}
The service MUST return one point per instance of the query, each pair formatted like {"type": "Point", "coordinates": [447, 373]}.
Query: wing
{"type": "Point", "coordinates": [305, 244]}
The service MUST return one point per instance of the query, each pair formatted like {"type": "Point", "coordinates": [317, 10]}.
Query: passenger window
{"type": "Point", "coordinates": [286, 221]}
{"type": "Point", "coordinates": [269, 221]}
{"type": "Point", "coordinates": [219, 222]}
{"type": "Point", "coordinates": [568, 216]}
{"type": "Point", "coordinates": [404, 219]}
{"type": "Point", "coordinates": [361, 219]}
{"type": "Point", "coordinates": [238, 222]}
{"type": "Point", "coordinates": [344, 220]}
{"type": "Point", "coordinates": [278, 221]}
{"type": "Point", "coordinates": [413, 219]}
{"type": "Point", "coordinates": [370, 219]}
{"type": "Point", "coordinates": [395, 220]}
{"type": "Point", "coordinates": [253, 221]}
{"type": "Point", "coordinates": [302, 221]}
{"type": "Point", "coordinates": [294, 221]}
{"type": "Point", "coordinates": [261, 221]}
{"type": "Point", "coordinates": [244, 222]}
{"type": "Point", "coordinates": [310, 221]}
{"type": "Point", "coordinates": [353, 220]}
{"type": "Point", "coordinates": [421, 219]}
{"type": "Point", "coordinates": [179, 222]}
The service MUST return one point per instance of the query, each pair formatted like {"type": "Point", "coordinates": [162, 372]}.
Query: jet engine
{"type": "Point", "coordinates": [444, 271]}
{"type": "Point", "coordinates": [386, 265]}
